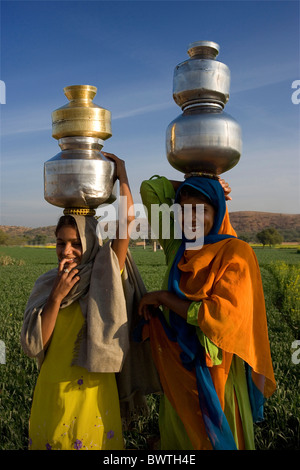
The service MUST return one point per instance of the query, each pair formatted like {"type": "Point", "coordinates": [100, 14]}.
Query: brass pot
{"type": "Point", "coordinates": [81, 117]}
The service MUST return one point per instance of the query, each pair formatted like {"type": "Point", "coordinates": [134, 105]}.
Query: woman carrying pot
{"type": "Point", "coordinates": [76, 324]}
{"type": "Point", "coordinates": [210, 340]}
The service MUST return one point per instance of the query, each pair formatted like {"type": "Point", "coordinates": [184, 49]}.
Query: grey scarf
{"type": "Point", "coordinates": [103, 342]}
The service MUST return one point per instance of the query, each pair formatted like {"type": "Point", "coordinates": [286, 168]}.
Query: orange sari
{"type": "Point", "coordinates": [224, 278]}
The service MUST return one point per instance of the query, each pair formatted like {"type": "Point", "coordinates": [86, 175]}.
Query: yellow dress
{"type": "Point", "coordinates": [73, 409]}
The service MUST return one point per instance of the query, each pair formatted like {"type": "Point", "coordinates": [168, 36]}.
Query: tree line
{"type": "Point", "coordinates": [268, 236]}
{"type": "Point", "coordinates": [38, 239]}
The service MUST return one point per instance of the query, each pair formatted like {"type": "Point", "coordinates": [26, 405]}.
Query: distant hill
{"type": "Point", "coordinates": [22, 234]}
{"type": "Point", "coordinates": [249, 223]}
{"type": "Point", "coordinates": [246, 223]}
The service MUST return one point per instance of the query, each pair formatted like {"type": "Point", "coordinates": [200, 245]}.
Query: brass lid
{"type": "Point", "coordinates": [81, 117]}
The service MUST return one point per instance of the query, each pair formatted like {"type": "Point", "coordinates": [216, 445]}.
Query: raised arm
{"type": "Point", "coordinates": [126, 213]}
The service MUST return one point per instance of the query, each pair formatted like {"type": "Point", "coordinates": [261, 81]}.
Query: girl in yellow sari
{"type": "Point", "coordinates": [76, 324]}
{"type": "Point", "coordinates": [210, 343]}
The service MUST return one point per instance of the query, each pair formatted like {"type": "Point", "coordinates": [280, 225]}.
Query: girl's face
{"type": "Point", "coordinates": [68, 244]}
{"type": "Point", "coordinates": [208, 213]}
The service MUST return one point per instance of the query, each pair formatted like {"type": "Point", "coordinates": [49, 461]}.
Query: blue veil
{"type": "Point", "coordinates": [192, 355]}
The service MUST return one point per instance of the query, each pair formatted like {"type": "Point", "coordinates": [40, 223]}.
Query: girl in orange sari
{"type": "Point", "coordinates": [210, 341]}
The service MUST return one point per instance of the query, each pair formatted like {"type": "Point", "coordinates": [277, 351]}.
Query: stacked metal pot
{"type": "Point", "coordinates": [80, 177]}
{"type": "Point", "coordinates": [203, 138]}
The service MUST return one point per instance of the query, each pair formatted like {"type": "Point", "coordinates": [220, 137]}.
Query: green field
{"type": "Point", "coordinates": [280, 268]}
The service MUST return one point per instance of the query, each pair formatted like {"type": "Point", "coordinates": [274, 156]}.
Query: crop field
{"type": "Point", "coordinates": [280, 269]}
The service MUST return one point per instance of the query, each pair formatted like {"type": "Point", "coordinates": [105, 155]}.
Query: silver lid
{"type": "Point", "coordinates": [203, 50]}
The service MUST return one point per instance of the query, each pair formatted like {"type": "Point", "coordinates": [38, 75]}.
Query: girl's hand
{"type": "Point", "coordinates": [153, 300]}
{"type": "Point", "coordinates": [149, 303]}
{"type": "Point", "coordinates": [66, 278]}
{"type": "Point", "coordinates": [120, 165]}
{"type": "Point", "coordinates": [226, 189]}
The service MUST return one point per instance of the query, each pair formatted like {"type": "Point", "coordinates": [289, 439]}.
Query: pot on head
{"type": "Point", "coordinates": [203, 138]}
{"type": "Point", "coordinates": [80, 176]}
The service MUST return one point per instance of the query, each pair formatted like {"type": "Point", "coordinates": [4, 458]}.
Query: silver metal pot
{"type": "Point", "coordinates": [79, 176]}
{"type": "Point", "coordinates": [201, 78]}
{"type": "Point", "coordinates": [208, 141]}
{"type": "Point", "coordinates": [203, 138]}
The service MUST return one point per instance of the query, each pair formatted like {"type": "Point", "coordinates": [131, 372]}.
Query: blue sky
{"type": "Point", "coordinates": [128, 50]}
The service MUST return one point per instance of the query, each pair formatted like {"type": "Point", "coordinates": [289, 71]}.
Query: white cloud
{"type": "Point", "coordinates": [143, 110]}
{"type": "Point", "coordinates": [251, 78]}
